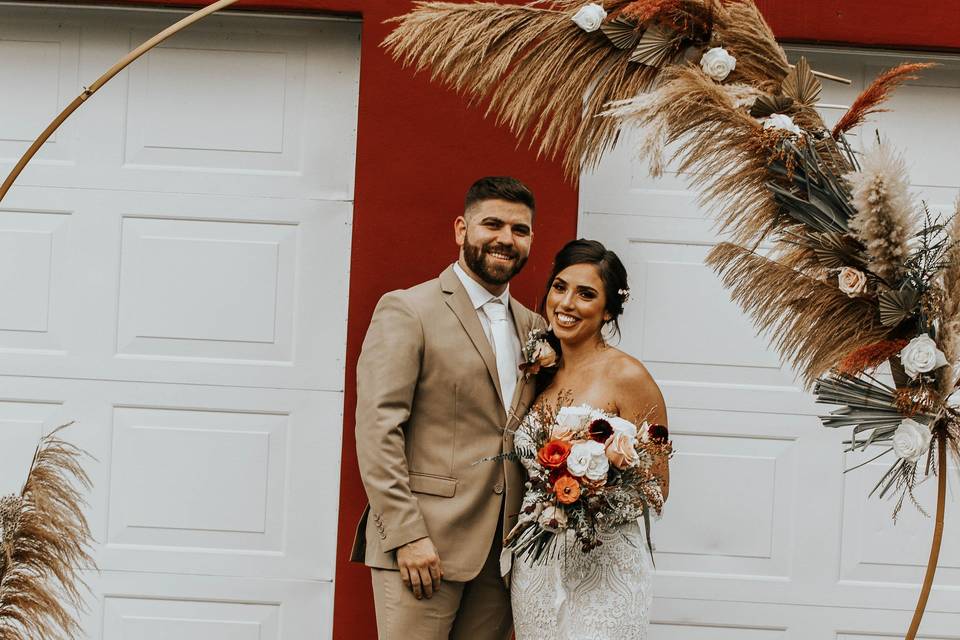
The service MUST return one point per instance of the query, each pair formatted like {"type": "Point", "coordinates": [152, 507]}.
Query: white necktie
{"type": "Point", "coordinates": [503, 347]}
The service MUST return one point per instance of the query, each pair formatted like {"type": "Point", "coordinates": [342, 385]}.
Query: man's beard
{"type": "Point", "coordinates": [476, 258]}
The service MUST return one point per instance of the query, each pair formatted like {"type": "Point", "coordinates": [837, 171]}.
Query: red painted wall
{"type": "Point", "coordinates": [419, 148]}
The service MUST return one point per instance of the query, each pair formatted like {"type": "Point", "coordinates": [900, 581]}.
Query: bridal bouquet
{"type": "Point", "coordinates": [589, 471]}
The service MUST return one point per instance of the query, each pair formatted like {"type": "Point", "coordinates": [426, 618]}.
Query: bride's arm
{"type": "Point", "coordinates": [642, 398]}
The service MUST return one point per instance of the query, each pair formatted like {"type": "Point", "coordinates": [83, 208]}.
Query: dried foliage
{"type": "Point", "coordinates": [868, 357]}
{"type": "Point", "coordinates": [876, 94]}
{"type": "Point", "coordinates": [884, 210]}
{"type": "Point", "coordinates": [711, 137]}
{"type": "Point", "coordinates": [811, 323]}
{"type": "Point", "coordinates": [46, 543]}
{"type": "Point", "coordinates": [950, 308]}
{"type": "Point", "coordinates": [533, 65]}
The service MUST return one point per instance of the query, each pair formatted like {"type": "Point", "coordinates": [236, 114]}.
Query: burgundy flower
{"type": "Point", "coordinates": [600, 430]}
{"type": "Point", "coordinates": [658, 433]}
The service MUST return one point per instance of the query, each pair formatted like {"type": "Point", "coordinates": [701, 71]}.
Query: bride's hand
{"type": "Point", "coordinates": [420, 567]}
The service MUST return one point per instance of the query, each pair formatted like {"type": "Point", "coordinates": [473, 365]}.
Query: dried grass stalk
{"type": "Point", "coordinates": [742, 30]}
{"type": "Point", "coordinates": [883, 223]}
{"type": "Point", "coordinates": [876, 94]}
{"type": "Point", "coordinates": [718, 144]}
{"type": "Point", "coordinates": [811, 323]}
{"type": "Point", "coordinates": [949, 337]}
{"type": "Point", "coordinates": [46, 543]}
{"type": "Point", "coordinates": [534, 65]}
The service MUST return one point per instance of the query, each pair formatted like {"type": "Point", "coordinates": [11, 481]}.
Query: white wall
{"type": "Point", "coordinates": [173, 276]}
{"type": "Point", "coordinates": [764, 536]}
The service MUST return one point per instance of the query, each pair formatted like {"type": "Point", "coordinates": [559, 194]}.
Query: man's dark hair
{"type": "Point", "coordinates": [499, 188]}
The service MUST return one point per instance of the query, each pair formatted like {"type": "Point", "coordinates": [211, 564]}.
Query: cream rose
{"type": "Point", "coordinates": [623, 426]}
{"type": "Point", "coordinates": [921, 356]}
{"type": "Point", "coordinates": [588, 459]}
{"type": "Point", "coordinates": [852, 281]}
{"type": "Point", "coordinates": [590, 17]}
{"type": "Point", "coordinates": [782, 121]}
{"type": "Point", "coordinates": [574, 417]}
{"type": "Point", "coordinates": [553, 518]}
{"type": "Point", "coordinates": [620, 451]}
{"type": "Point", "coordinates": [717, 63]}
{"type": "Point", "coordinates": [911, 440]}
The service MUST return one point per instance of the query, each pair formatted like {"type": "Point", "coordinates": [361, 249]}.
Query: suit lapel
{"type": "Point", "coordinates": [459, 302]}
{"type": "Point", "coordinates": [523, 320]}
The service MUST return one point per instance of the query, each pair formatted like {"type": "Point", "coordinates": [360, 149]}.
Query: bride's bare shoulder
{"type": "Point", "coordinates": [636, 390]}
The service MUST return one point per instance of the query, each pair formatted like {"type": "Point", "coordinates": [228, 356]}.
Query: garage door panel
{"type": "Point", "coordinates": [41, 60]}
{"type": "Point", "coordinates": [33, 269]}
{"type": "Point", "coordinates": [171, 288]}
{"type": "Point", "coordinates": [160, 607]}
{"type": "Point", "coordinates": [193, 479]}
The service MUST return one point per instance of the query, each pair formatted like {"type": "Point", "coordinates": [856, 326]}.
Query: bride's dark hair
{"type": "Point", "coordinates": [612, 273]}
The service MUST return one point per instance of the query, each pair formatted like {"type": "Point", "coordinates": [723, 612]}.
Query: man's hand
{"type": "Point", "coordinates": [420, 567]}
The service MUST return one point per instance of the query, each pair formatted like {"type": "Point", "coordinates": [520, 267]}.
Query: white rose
{"type": "Point", "coordinates": [911, 440]}
{"type": "Point", "coordinates": [576, 418]}
{"type": "Point", "coordinates": [921, 355]}
{"type": "Point", "coordinates": [781, 121]}
{"type": "Point", "coordinates": [588, 459]}
{"type": "Point", "coordinates": [590, 17]}
{"type": "Point", "coordinates": [717, 63]}
{"type": "Point", "coordinates": [623, 426]}
{"type": "Point", "coordinates": [553, 518]}
{"type": "Point", "coordinates": [851, 281]}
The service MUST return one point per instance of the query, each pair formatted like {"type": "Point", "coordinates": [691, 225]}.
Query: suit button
{"type": "Point", "coordinates": [498, 488]}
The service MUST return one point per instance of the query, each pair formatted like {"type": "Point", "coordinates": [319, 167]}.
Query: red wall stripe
{"type": "Point", "coordinates": [419, 148]}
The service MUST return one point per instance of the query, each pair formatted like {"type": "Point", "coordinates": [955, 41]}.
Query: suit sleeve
{"type": "Point", "coordinates": [387, 375]}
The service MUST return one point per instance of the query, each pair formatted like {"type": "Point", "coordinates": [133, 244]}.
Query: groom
{"type": "Point", "coordinates": [437, 392]}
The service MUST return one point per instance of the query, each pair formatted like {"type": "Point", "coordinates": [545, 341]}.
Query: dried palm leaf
{"type": "Point", "coordinates": [801, 85]}
{"type": "Point", "coordinates": [46, 544]}
{"type": "Point", "coordinates": [623, 33]}
{"type": "Point", "coordinates": [767, 105]}
{"type": "Point", "coordinates": [658, 46]}
{"type": "Point", "coordinates": [812, 324]}
{"type": "Point", "coordinates": [876, 94]}
{"type": "Point", "coordinates": [898, 305]}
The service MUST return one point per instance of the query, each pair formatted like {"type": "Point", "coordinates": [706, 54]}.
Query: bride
{"type": "Point", "coordinates": [604, 593]}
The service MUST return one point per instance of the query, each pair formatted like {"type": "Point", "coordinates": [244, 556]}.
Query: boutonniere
{"type": "Point", "coordinates": [537, 353]}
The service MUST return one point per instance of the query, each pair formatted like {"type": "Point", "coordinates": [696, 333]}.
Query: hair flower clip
{"type": "Point", "coordinates": [624, 293]}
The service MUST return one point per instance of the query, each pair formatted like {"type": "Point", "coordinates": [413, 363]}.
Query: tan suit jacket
{"type": "Point", "coordinates": [428, 413]}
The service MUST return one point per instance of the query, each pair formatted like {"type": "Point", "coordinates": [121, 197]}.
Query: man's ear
{"type": "Point", "coordinates": [460, 230]}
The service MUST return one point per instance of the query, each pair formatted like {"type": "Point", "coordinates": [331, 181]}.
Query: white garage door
{"type": "Point", "coordinates": [173, 276]}
{"type": "Point", "coordinates": [765, 537]}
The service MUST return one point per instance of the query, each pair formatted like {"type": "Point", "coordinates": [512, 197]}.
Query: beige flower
{"type": "Point", "coordinates": [718, 63]}
{"type": "Point", "coordinates": [621, 452]}
{"type": "Point", "coordinates": [911, 440]}
{"type": "Point", "coordinates": [921, 355]}
{"type": "Point", "coordinates": [590, 17]}
{"type": "Point", "coordinates": [553, 518]}
{"type": "Point", "coordinates": [852, 281]}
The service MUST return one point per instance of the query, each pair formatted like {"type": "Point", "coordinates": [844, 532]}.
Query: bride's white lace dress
{"type": "Point", "coordinates": [601, 595]}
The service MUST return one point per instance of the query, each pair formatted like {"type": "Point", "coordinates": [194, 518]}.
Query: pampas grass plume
{"type": "Point", "coordinates": [884, 208]}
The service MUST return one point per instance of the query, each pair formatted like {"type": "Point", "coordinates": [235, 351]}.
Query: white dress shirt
{"type": "Point", "coordinates": [479, 297]}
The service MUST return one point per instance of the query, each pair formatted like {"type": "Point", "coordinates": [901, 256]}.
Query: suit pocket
{"type": "Point", "coordinates": [433, 485]}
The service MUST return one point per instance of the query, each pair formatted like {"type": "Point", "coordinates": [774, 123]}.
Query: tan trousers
{"type": "Point", "coordinates": [475, 610]}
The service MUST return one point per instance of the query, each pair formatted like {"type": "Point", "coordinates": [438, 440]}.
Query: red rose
{"type": "Point", "coordinates": [600, 430]}
{"type": "Point", "coordinates": [553, 454]}
{"type": "Point", "coordinates": [658, 433]}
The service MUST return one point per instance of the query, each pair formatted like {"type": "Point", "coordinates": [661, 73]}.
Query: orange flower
{"type": "Point", "coordinates": [567, 490]}
{"type": "Point", "coordinates": [553, 454]}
